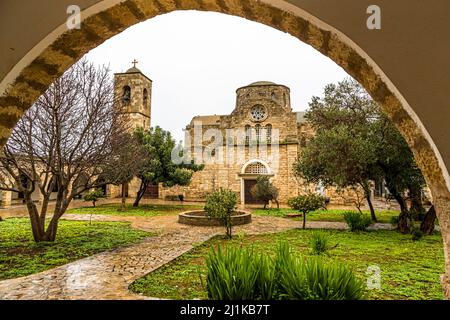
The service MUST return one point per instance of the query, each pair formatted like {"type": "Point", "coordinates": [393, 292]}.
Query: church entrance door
{"type": "Point", "coordinates": [249, 199]}
{"type": "Point", "coordinates": [152, 191]}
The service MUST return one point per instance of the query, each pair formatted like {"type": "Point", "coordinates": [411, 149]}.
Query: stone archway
{"type": "Point", "coordinates": [59, 50]}
{"type": "Point", "coordinates": [250, 171]}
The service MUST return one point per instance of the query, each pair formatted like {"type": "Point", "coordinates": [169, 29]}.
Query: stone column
{"type": "Point", "coordinates": [6, 198]}
{"type": "Point", "coordinates": [442, 206]}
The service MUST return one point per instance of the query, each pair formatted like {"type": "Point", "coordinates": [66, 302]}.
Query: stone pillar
{"type": "Point", "coordinates": [6, 198]}
{"type": "Point", "coordinates": [442, 206]}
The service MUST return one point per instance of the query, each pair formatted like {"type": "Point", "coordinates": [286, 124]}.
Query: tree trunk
{"type": "Point", "coordinates": [304, 220]}
{"type": "Point", "coordinates": [427, 225]}
{"type": "Point", "coordinates": [140, 193]}
{"type": "Point", "coordinates": [50, 234]}
{"type": "Point", "coordinates": [123, 202]}
{"type": "Point", "coordinates": [367, 194]}
{"type": "Point", "coordinates": [416, 208]}
{"type": "Point", "coordinates": [404, 219]}
{"type": "Point", "coordinates": [37, 224]}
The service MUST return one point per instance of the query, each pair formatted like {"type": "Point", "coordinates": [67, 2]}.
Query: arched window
{"type": "Point", "coordinates": [126, 95]}
{"type": "Point", "coordinates": [258, 132]}
{"type": "Point", "coordinates": [269, 133]}
{"type": "Point", "coordinates": [248, 133]}
{"type": "Point", "coordinates": [256, 168]}
{"type": "Point", "coordinates": [145, 98]}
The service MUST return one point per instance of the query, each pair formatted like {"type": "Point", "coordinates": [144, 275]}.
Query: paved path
{"type": "Point", "coordinates": [107, 275]}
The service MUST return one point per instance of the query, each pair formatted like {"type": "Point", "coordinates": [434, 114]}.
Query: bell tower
{"type": "Point", "coordinates": [133, 91]}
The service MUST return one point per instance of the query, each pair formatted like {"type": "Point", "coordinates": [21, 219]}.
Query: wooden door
{"type": "Point", "coordinates": [152, 191]}
{"type": "Point", "coordinates": [249, 199]}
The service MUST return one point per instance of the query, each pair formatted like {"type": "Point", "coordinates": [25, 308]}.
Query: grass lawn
{"type": "Point", "coordinates": [337, 215]}
{"type": "Point", "coordinates": [409, 269]}
{"type": "Point", "coordinates": [21, 256]}
{"type": "Point", "coordinates": [144, 210]}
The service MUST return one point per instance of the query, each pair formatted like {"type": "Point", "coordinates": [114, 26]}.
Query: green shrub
{"type": "Point", "coordinates": [313, 279]}
{"type": "Point", "coordinates": [240, 274]}
{"type": "Point", "coordinates": [306, 203]}
{"type": "Point", "coordinates": [231, 274]}
{"type": "Point", "coordinates": [357, 221]}
{"type": "Point", "coordinates": [319, 243]}
{"type": "Point", "coordinates": [93, 195]}
{"type": "Point", "coordinates": [416, 234]}
{"type": "Point", "coordinates": [394, 221]}
{"type": "Point", "coordinates": [220, 204]}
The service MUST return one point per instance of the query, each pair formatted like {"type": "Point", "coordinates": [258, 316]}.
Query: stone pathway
{"type": "Point", "coordinates": [107, 275]}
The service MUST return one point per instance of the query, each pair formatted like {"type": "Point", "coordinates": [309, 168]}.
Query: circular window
{"type": "Point", "coordinates": [258, 113]}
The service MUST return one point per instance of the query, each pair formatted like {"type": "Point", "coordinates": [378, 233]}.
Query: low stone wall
{"type": "Point", "coordinates": [199, 218]}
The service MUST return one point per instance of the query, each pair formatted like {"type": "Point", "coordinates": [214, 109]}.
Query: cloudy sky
{"type": "Point", "coordinates": [197, 60]}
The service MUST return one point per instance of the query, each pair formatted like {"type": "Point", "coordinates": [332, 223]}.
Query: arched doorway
{"type": "Point", "coordinates": [58, 50]}
{"type": "Point", "coordinates": [249, 173]}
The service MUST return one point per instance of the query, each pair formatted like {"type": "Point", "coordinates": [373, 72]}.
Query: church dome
{"type": "Point", "coordinates": [263, 83]}
{"type": "Point", "coordinates": [133, 70]}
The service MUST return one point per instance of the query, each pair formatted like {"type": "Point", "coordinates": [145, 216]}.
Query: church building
{"type": "Point", "coordinates": [273, 138]}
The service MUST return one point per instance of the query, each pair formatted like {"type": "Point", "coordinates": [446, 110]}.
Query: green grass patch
{"type": "Point", "coordinates": [409, 269]}
{"type": "Point", "coordinates": [145, 210]}
{"type": "Point", "coordinates": [335, 215]}
{"type": "Point", "coordinates": [21, 256]}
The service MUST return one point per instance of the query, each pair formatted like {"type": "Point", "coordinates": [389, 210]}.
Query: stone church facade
{"type": "Point", "coordinates": [261, 136]}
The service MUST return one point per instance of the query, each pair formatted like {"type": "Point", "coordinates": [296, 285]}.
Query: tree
{"type": "Point", "coordinates": [337, 157]}
{"type": "Point", "coordinates": [128, 159]}
{"type": "Point", "coordinates": [400, 171]}
{"type": "Point", "coordinates": [356, 144]}
{"type": "Point", "coordinates": [342, 120]}
{"type": "Point", "coordinates": [221, 204]}
{"type": "Point", "coordinates": [265, 191]}
{"type": "Point", "coordinates": [159, 167]}
{"type": "Point", "coordinates": [93, 195]}
{"type": "Point", "coordinates": [63, 140]}
{"type": "Point", "coordinates": [307, 203]}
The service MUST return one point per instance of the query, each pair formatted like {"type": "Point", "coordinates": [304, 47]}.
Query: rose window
{"type": "Point", "coordinates": [258, 113]}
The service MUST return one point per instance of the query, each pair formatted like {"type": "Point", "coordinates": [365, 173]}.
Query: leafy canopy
{"type": "Point", "coordinates": [306, 203]}
{"type": "Point", "coordinates": [160, 168]}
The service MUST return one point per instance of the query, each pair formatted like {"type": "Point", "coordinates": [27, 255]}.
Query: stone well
{"type": "Point", "coordinates": [199, 218]}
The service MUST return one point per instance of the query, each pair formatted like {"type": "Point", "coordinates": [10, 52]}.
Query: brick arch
{"type": "Point", "coordinates": [62, 48]}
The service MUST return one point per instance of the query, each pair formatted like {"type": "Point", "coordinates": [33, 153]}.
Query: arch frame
{"type": "Point", "coordinates": [52, 56]}
{"type": "Point", "coordinates": [252, 161]}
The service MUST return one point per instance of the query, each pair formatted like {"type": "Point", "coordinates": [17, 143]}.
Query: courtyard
{"type": "Point", "coordinates": [252, 151]}
{"type": "Point", "coordinates": [144, 253]}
